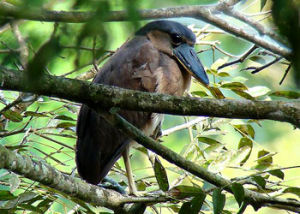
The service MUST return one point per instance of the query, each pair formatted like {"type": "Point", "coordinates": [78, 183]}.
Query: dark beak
{"type": "Point", "coordinates": [187, 57]}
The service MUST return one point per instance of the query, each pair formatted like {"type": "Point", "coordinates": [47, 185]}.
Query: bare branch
{"type": "Point", "coordinates": [183, 126]}
{"type": "Point", "coordinates": [258, 69]}
{"type": "Point", "coordinates": [23, 50]}
{"type": "Point", "coordinates": [285, 73]}
{"type": "Point", "coordinates": [240, 59]}
{"type": "Point", "coordinates": [205, 13]}
{"type": "Point", "coordinates": [256, 25]}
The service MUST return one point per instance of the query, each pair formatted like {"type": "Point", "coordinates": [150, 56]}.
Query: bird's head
{"type": "Point", "coordinates": [177, 41]}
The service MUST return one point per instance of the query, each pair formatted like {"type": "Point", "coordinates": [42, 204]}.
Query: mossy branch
{"type": "Point", "coordinates": [74, 187]}
{"type": "Point", "coordinates": [107, 96]}
{"type": "Point", "coordinates": [205, 13]}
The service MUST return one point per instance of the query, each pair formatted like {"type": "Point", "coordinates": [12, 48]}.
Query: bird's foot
{"type": "Point", "coordinates": [135, 193]}
{"type": "Point", "coordinates": [109, 183]}
{"type": "Point", "coordinates": [133, 190]}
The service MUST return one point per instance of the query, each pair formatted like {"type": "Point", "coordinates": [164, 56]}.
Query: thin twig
{"type": "Point", "coordinates": [258, 14]}
{"type": "Point", "coordinates": [263, 172]}
{"type": "Point", "coordinates": [10, 105]}
{"type": "Point", "coordinates": [241, 59]}
{"type": "Point", "coordinates": [55, 141]}
{"type": "Point", "coordinates": [183, 126]}
{"type": "Point", "coordinates": [285, 73]}
{"type": "Point", "coordinates": [205, 13]}
{"type": "Point", "coordinates": [258, 69]}
{"type": "Point", "coordinates": [255, 24]}
{"type": "Point", "coordinates": [24, 53]}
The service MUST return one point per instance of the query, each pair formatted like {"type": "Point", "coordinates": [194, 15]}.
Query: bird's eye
{"type": "Point", "coordinates": [176, 39]}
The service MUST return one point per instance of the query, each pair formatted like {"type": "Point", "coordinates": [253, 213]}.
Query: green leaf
{"type": "Point", "coordinates": [208, 141]}
{"type": "Point", "coordinates": [65, 125]}
{"type": "Point", "coordinates": [14, 182]}
{"type": "Point", "coordinates": [286, 94]}
{"type": "Point", "coordinates": [63, 117]}
{"type": "Point", "coordinates": [264, 158]}
{"type": "Point", "coordinates": [46, 203]}
{"type": "Point", "coordinates": [161, 175]}
{"type": "Point", "coordinates": [218, 201]}
{"type": "Point", "coordinates": [262, 4]}
{"type": "Point", "coordinates": [239, 79]}
{"type": "Point", "coordinates": [223, 74]}
{"type": "Point", "coordinates": [221, 162]}
{"type": "Point", "coordinates": [293, 190]}
{"type": "Point", "coordinates": [194, 206]}
{"type": "Point", "coordinates": [234, 85]}
{"type": "Point", "coordinates": [258, 91]}
{"type": "Point", "coordinates": [245, 142]}
{"type": "Point", "coordinates": [199, 93]}
{"type": "Point", "coordinates": [141, 186]}
{"type": "Point", "coordinates": [174, 207]}
{"type": "Point", "coordinates": [277, 172]}
{"type": "Point", "coordinates": [185, 208]}
{"type": "Point", "coordinates": [34, 114]}
{"type": "Point", "coordinates": [18, 147]}
{"type": "Point", "coordinates": [246, 129]}
{"type": "Point", "coordinates": [259, 180]}
{"type": "Point", "coordinates": [216, 92]}
{"type": "Point", "coordinates": [212, 71]}
{"type": "Point", "coordinates": [213, 148]}
{"type": "Point", "coordinates": [243, 94]}
{"type": "Point", "coordinates": [238, 192]}
{"type": "Point", "coordinates": [258, 59]}
{"type": "Point", "coordinates": [191, 152]}
{"type": "Point", "coordinates": [43, 56]}
{"type": "Point", "coordinates": [183, 191]}
{"type": "Point", "coordinates": [6, 195]}
{"type": "Point", "coordinates": [240, 156]}
{"type": "Point", "coordinates": [26, 196]}
{"type": "Point", "coordinates": [13, 115]}
{"type": "Point", "coordinates": [29, 207]}
{"type": "Point", "coordinates": [197, 202]}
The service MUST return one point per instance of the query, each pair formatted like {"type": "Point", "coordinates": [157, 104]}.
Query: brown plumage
{"type": "Point", "coordinates": [148, 62]}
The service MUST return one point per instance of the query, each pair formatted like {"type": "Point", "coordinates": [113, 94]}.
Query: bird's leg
{"type": "Point", "coordinates": [156, 135]}
{"type": "Point", "coordinates": [157, 132]}
{"type": "Point", "coordinates": [131, 183]}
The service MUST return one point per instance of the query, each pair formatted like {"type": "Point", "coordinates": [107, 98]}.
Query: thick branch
{"type": "Point", "coordinates": [257, 200]}
{"type": "Point", "coordinates": [107, 96]}
{"type": "Point", "coordinates": [204, 13]}
{"type": "Point", "coordinates": [45, 174]}
{"type": "Point", "coordinates": [74, 187]}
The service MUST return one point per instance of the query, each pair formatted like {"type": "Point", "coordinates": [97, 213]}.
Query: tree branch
{"type": "Point", "coordinates": [257, 200]}
{"type": "Point", "coordinates": [228, 10]}
{"type": "Point", "coordinates": [107, 96]}
{"type": "Point", "coordinates": [205, 13]}
{"type": "Point", "coordinates": [74, 187]}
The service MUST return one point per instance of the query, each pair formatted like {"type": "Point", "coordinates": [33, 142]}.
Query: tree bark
{"type": "Point", "coordinates": [105, 97]}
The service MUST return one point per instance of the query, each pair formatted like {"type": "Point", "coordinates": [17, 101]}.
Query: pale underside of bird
{"type": "Point", "coordinates": [159, 58]}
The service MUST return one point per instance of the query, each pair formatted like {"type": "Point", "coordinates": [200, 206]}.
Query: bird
{"type": "Point", "coordinates": [159, 58]}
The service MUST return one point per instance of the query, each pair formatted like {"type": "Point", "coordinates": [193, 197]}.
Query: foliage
{"type": "Point", "coordinates": [44, 127]}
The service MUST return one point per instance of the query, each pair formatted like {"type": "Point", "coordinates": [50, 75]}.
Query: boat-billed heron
{"type": "Point", "coordinates": [159, 58]}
